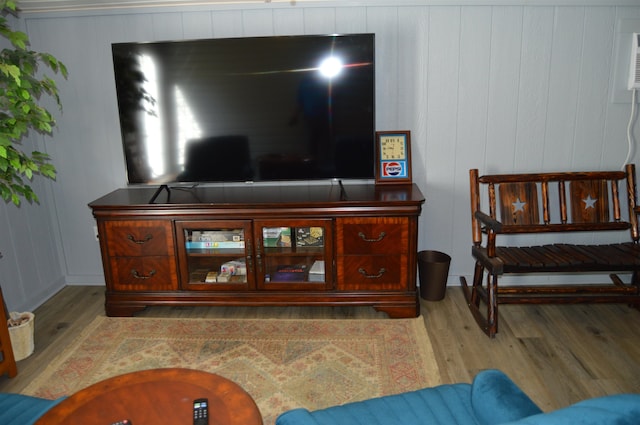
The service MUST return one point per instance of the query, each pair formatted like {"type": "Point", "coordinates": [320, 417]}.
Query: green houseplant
{"type": "Point", "coordinates": [21, 90]}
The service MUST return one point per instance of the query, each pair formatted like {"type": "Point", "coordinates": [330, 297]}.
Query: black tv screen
{"type": "Point", "coordinates": [247, 109]}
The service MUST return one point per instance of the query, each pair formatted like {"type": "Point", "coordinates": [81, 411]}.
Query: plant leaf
{"type": "Point", "coordinates": [21, 88]}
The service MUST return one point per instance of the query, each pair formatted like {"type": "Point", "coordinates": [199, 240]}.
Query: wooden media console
{"type": "Point", "coordinates": [261, 245]}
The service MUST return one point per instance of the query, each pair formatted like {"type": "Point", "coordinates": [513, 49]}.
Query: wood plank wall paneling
{"type": "Point", "coordinates": [501, 88]}
{"type": "Point", "coordinates": [561, 108]}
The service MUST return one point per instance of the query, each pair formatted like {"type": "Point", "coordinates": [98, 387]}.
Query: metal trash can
{"type": "Point", "coordinates": [433, 270]}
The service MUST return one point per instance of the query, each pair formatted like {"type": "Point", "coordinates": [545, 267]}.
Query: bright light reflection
{"type": "Point", "coordinates": [188, 127]}
{"type": "Point", "coordinates": [330, 67]}
{"type": "Point", "coordinates": [151, 122]}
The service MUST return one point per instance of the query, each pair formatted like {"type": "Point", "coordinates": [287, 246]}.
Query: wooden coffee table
{"type": "Point", "coordinates": [156, 396]}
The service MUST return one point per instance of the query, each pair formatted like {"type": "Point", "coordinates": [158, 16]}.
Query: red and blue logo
{"type": "Point", "coordinates": [393, 169]}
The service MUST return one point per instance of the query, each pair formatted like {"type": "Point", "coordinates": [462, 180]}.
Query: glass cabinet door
{"type": "Point", "coordinates": [215, 255]}
{"type": "Point", "coordinates": [294, 254]}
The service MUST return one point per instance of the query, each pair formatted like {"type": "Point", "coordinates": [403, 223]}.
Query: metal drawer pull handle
{"type": "Point", "coordinates": [363, 272]}
{"type": "Point", "coordinates": [364, 238]}
{"type": "Point", "coordinates": [249, 257]}
{"type": "Point", "coordinates": [134, 240]}
{"type": "Point", "coordinates": [135, 274]}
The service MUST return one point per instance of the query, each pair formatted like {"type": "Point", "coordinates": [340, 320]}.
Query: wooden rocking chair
{"type": "Point", "coordinates": [520, 204]}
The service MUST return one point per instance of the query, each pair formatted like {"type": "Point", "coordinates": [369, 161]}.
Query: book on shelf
{"type": "Point", "coordinates": [309, 236]}
{"type": "Point", "coordinates": [214, 239]}
{"type": "Point", "coordinates": [235, 267]}
{"type": "Point", "coordinates": [215, 235]}
{"type": "Point", "coordinates": [216, 277]}
{"type": "Point", "coordinates": [276, 237]}
{"type": "Point", "coordinates": [316, 272]}
{"type": "Point", "coordinates": [214, 245]}
{"type": "Point", "coordinates": [199, 275]}
{"type": "Point", "coordinates": [290, 272]}
{"type": "Point", "coordinates": [223, 277]}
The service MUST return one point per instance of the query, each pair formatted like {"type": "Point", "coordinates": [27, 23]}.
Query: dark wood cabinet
{"type": "Point", "coordinates": [291, 265]}
{"type": "Point", "coordinates": [373, 253]}
{"type": "Point", "coordinates": [253, 245]}
{"type": "Point", "coordinates": [139, 255]}
{"type": "Point", "coordinates": [204, 258]}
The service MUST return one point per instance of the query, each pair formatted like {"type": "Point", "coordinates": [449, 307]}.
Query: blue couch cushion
{"type": "Point", "coordinates": [445, 404]}
{"type": "Point", "coordinates": [496, 399]}
{"type": "Point", "coordinates": [17, 409]}
{"type": "Point", "coordinates": [620, 409]}
{"type": "Point", "coordinates": [492, 399]}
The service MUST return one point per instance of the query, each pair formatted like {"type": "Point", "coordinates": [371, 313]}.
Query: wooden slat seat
{"type": "Point", "coordinates": [564, 258]}
{"type": "Point", "coordinates": [521, 204]}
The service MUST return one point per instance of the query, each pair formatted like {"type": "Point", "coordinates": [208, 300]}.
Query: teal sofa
{"type": "Point", "coordinates": [17, 409]}
{"type": "Point", "coordinates": [492, 399]}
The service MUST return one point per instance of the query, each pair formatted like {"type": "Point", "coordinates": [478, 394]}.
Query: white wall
{"type": "Point", "coordinates": [499, 87]}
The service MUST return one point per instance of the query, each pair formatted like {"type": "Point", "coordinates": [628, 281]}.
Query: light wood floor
{"type": "Point", "coordinates": [558, 354]}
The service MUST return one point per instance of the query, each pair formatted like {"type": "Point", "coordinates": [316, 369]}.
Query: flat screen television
{"type": "Point", "coordinates": [247, 109]}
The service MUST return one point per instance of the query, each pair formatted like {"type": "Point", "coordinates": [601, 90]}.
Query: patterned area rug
{"type": "Point", "coordinates": [282, 364]}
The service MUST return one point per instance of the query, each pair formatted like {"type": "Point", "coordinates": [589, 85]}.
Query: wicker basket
{"type": "Point", "coordinates": [22, 338]}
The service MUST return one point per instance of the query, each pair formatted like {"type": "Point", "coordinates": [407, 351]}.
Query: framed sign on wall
{"type": "Point", "coordinates": [393, 157]}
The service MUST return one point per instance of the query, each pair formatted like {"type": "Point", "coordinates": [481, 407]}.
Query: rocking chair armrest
{"type": "Point", "coordinates": [488, 221]}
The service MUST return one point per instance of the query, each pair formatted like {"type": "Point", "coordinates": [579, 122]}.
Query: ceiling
{"type": "Point", "coordinates": [31, 6]}
{"type": "Point", "coordinates": [36, 6]}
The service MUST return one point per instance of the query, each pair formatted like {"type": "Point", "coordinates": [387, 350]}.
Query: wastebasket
{"type": "Point", "coordinates": [433, 269]}
{"type": "Point", "coordinates": [22, 336]}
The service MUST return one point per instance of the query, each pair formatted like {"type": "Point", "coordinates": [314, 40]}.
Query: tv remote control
{"type": "Point", "coordinates": [201, 411]}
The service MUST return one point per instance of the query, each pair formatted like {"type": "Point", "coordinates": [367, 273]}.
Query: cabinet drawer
{"type": "Point", "coordinates": [373, 236]}
{"type": "Point", "coordinates": [144, 274]}
{"type": "Point", "coordinates": [359, 272]}
{"type": "Point", "coordinates": [139, 238]}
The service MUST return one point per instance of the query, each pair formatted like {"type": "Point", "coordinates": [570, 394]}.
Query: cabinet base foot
{"type": "Point", "coordinates": [399, 312]}
{"type": "Point", "coordinates": [123, 310]}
